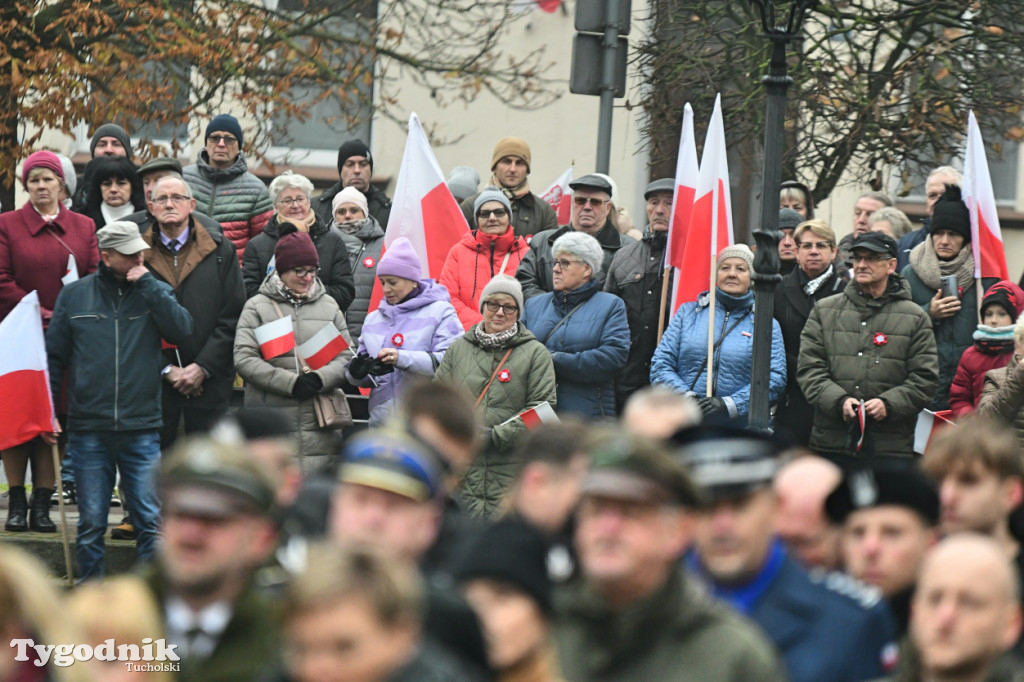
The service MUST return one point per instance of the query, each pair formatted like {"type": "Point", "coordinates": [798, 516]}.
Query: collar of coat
{"type": "Point", "coordinates": [161, 261]}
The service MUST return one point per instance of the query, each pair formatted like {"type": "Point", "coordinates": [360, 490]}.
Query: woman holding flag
{"type": "Point", "coordinates": [507, 370]}
{"type": "Point", "coordinates": [292, 343]}
{"type": "Point", "coordinates": [681, 359]}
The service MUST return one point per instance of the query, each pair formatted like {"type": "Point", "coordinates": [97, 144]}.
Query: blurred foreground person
{"type": "Point", "coordinates": [636, 615]}
{"type": "Point", "coordinates": [801, 487]}
{"type": "Point", "coordinates": [657, 412]}
{"type": "Point", "coordinates": [505, 580]}
{"type": "Point", "coordinates": [965, 615]}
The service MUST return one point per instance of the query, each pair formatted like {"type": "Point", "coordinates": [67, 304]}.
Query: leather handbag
{"type": "Point", "coordinates": [332, 410]}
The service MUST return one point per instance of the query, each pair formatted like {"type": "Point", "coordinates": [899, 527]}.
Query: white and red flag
{"type": "Point", "coordinates": [986, 236]}
{"type": "Point", "coordinates": [535, 416]}
{"type": "Point", "coordinates": [559, 196]}
{"type": "Point", "coordinates": [25, 400]}
{"type": "Point", "coordinates": [423, 210]}
{"type": "Point", "coordinates": [322, 347]}
{"type": "Point", "coordinates": [710, 228]}
{"type": "Point", "coordinates": [71, 273]}
{"type": "Point", "coordinates": [682, 205]}
{"type": "Point", "coordinates": [275, 338]}
{"type": "Point", "coordinates": [928, 424]}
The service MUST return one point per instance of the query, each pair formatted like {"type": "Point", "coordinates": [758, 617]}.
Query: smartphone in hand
{"type": "Point", "coordinates": [949, 286]}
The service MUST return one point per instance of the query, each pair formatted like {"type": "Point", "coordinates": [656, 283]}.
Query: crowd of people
{"type": "Point", "coordinates": [393, 501]}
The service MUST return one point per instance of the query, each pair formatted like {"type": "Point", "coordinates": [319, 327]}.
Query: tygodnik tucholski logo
{"type": "Point", "coordinates": [151, 656]}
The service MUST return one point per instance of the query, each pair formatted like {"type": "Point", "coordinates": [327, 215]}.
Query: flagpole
{"type": "Point", "coordinates": [711, 286]}
{"type": "Point", "coordinates": [63, 516]}
{"type": "Point", "coordinates": [664, 302]}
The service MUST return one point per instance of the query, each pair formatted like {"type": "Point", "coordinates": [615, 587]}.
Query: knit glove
{"type": "Point", "coordinates": [379, 368]}
{"type": "Point", "coordinates": [359, 367]}
{"type": "Point", "coordinates": [712, 405]}
{"type": "Point", "coordinates": [307, 386]}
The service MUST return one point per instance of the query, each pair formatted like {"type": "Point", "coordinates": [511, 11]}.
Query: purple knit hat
{"type": "Point", "coordinates": [400, 260]}
{"type": "Point", "coordinates": [41, 159]}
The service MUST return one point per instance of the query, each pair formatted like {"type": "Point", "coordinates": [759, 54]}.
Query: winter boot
{"type": "Point", "coordinates": [16, 510]}
{"type": "Point", "coordinates": [39, 512]}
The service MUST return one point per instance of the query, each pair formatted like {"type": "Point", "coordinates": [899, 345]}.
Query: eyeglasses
{"type": "Point", "coordinates": [876, 258]}
{"type": "Point", "coordinates": [563, 263]}
{"type": "Point", "coordinates": [297, 201]}
{"type": "Point", "coordinates": [583, 201]}
{"type": "Point", "coordinates": [494, 307]}
{"type": "Point", "coordinates": [226, 139]}
{"type": "Point", "coordinates": [306, 272]}
{"type": "Point", "coordinates": [820, 246]}
{"type": "Point", "coordinates": [496, 212]}
{"type": "Point", "coordinates": [173, 198]}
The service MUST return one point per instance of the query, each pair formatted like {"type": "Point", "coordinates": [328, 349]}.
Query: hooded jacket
{"type": "Point", "coordinates": [855, 346]}
{"type": "Point", "coordinates": [335, 267]}
{"type": "Point", "coordinates": [364, 249]}
{"type": "Point", "coordinates": [232, 196]}
{"type": "Point", "coordinates": [587, 350]}
{"type": "Point", "coordinates": [421, 328]}
{"type": "Point", "coordinates": [472, 262]}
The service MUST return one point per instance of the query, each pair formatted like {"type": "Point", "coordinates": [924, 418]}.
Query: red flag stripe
{"type": "Point", "coordinates": [25, 406]}
{"type": "Point", "coordinates": [330, 351]}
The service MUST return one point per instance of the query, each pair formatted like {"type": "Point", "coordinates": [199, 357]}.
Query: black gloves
{"type": "Point", "coordinates": [306, 386]}
{"type": "Point", "coordinates": [713, 405]}
{"type": "Point", "coordinates": [379, 368]}
{"type": "Point", "coordinates": [359, 367]}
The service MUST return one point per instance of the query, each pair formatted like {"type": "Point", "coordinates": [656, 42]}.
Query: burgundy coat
{"type": "Point", "coordinates": [32, 257]}
{"type": "Point", "coordinates": [969, 382]}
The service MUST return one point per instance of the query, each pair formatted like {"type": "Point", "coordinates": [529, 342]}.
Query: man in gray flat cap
{"type": "Point", "coordinates": [635, 275]}
{"type": "Point", "coordinates": [591, 210]}
{"type": "Point", "coordinates": [105, 335]}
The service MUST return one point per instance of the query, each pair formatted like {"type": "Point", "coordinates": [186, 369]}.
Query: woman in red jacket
{"type": "Point", "coordinates": [492, 249]}
{"type": "Point", "coordinates": [43, 246]}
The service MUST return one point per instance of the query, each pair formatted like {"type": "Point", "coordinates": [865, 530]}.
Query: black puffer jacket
{"type": "Point", "coordinates": [335, 270]}
{"type": "Point", "coordinates": [376, 200]}
{"type": "Point", "coordinates": [535, 272]}
{"type": "Point", "coordinates": [364, 248]}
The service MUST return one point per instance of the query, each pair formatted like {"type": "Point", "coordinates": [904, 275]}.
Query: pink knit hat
{"type": "Point", "coordinates": [400, 260]}
{"type": "Point", "coordinates": [41, 159]}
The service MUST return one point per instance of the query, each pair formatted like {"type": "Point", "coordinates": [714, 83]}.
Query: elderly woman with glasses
{"type": "Point", "coordinates": [279, 376]}
{"type": "Point", "coordinates": [584, 328]}
{"type": "Point", "coordinates": [508, 371]}
{"type": "Point", "coordinates": [290, 194]}
{"type": "Point", "coordinates": [492, 249]}
{"type": "Point", "coordinates": [681, 359]}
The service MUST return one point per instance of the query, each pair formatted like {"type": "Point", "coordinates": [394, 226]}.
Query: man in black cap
{"type": "Point", "coordinates": [218, 507]}
{"type": "Point", "coordinates": [947, 252]}
{"type": "Point", "coordinates": [158, 168]}
{"type": "Point", "coordinates": [591, 209]}
{"type": "Point", "coordinates": [815, 278]}
{"type": "Point", "coordinates": [636, 615]}
{"type": "Point", "coordinates": [822, 634]}
{"type": "Point", "coordinates": [889, 511]}
{"type": "Point", "coordinates": [635, 275]}
{"type": "Point", "coordinates": [355, 169]}
{"type": "Point", "coordinates": [109, 139]}
{"type": "Point", "coordinates": [867, 362]}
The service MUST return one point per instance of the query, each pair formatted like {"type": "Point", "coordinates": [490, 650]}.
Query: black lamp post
{"type": "Point", "coordinates": [766, 261]}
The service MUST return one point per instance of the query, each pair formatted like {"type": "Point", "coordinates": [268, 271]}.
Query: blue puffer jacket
{"type": "Point", "coordinates": [680, 355]}
{"type": "Point", "coordinates": [588, 350]}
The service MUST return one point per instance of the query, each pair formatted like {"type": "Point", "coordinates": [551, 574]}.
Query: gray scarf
{"type": "Point", "coordinates": [815, 284]}
{"type": "Point", "coordinates": [498, 340]}
{"type": "Point", "coordinates": [929, 268]}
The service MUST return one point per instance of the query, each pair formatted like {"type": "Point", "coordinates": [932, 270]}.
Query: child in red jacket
{"type": "Point", "coordinates": [993, 345]}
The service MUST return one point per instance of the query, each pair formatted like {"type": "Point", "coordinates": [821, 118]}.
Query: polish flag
{"type": "Point", "coordinates": [423, 209]}
{"type": "Point", "coordinates": [710, 228]}
{"type": "Point", "coordinates": [559, 195]}
{"type": "Point", "coordinates": [25, 401]}
{"type": "Point", "coordinates": [682, 205]}
{"type": "Point", "coordinates": [986, 237]}
{"type": "Point", "coordinates": [535, 416]}
{"type": "Point", "coordinates": [71, 274]}
{"type": "Point", "coordinates": [524, 6]}
{"type": "Point", "coordinates": [322, 347]}
{"type": "Point", "coordinates": [275, 338]}
{"type": "Point", "coordinates": [928, 424]}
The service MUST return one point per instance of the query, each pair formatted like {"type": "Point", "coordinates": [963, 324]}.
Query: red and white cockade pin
{"type": "Point", "coordinates": [880, 339]}
{"type": "Point", "coordinates": [397, 340]}
{"type": "Point", "coordinates": [368, 262]}
{"type": "Point", "coordinates": [504, 376]}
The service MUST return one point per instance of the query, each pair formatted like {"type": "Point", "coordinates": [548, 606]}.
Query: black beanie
{"type": "Point", "coordinates": [950, 213]}
{"type": "Point", "coordinates": [510, 552]}
{"type": "Point", "coordinates": [353, 148]}
{"type": "Point", "coordinates": [111, 130]}
{"type": "Point", "coordinates": [224, 123]}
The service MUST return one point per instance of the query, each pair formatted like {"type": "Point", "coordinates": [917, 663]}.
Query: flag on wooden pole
{"type": "Point", "coordinates": [25, 401]}
{"type": "Point", "coordinates": [986, 236]}
{"type": "Point", "coordinates": [682, 205]}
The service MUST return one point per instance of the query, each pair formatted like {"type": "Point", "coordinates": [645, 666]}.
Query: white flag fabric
{"type": "Point", "coordinates": [559, 196]}
{"type": "Point", "coordinates": [986, 235]}
{"type": "Point", "coordinates": [25, 401]}
{"type": "Point", "coordinates": [682, 204]}
{"type": "Point", "coordinates": [71, 273]}
{"type": "Point", "coordinates": [275, 338]}
{"type": "Point", "coordinates": [322, 347]}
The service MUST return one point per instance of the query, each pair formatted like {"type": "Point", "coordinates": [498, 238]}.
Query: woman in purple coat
{"type": "Point", "coordinates": [407, 334]}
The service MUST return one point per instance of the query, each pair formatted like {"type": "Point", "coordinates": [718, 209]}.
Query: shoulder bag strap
{"type": "Point", "coordinates": [714, 349]}
{"type": "Point", "coordinates": [561, 322]}
{"type": "Point", "coordinates": [494, 374]}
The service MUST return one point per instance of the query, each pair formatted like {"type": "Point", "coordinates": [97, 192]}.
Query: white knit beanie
{"type": "Point", "coordinates": [737, 251]}
{"type": "Point", "coordinates": [503, 284]}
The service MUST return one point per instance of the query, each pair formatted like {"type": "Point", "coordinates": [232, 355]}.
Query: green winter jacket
{"type": "Point", "coordinates": [854, 346]}
{"type": "Point", "coordinates": [677, 634]}
{"type": "Point", "coordinates": [528, 381]}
